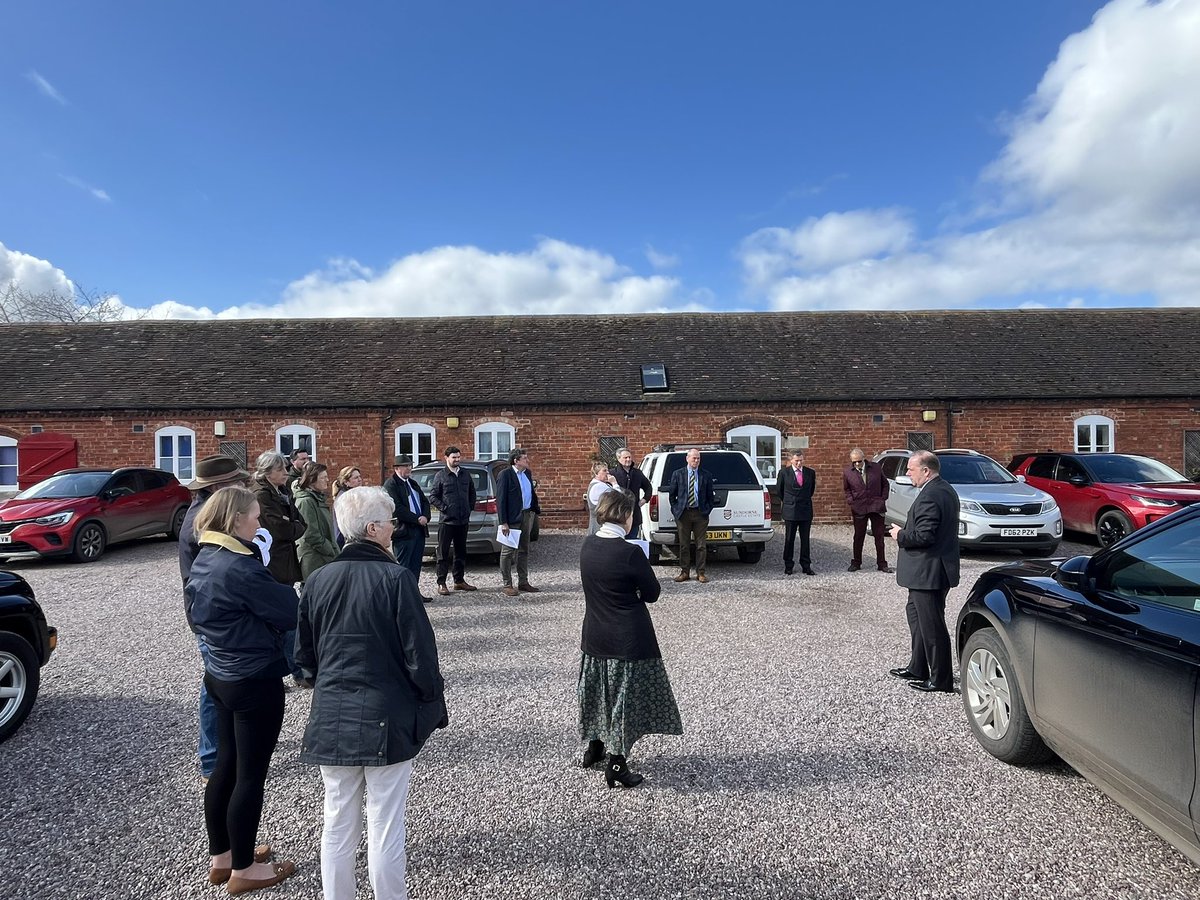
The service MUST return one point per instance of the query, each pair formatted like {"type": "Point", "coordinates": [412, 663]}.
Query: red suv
{"type": "Point", "coordinates": [1107, 494]}
{"type": "Point", "coordinates": [79, 512]}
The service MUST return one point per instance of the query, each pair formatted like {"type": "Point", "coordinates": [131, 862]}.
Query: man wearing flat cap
{"type": "Point", "coordinates": [412, 517]}
{"type": "Point", "coordinates": [212, 474]}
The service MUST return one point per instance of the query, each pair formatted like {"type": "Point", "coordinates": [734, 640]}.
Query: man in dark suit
{"type": "Point", "coordinates": [928, 567]}
{"type": "Point", "coordinates": [630, 478]}
{"type": "Point", "coordinates": [866, 493]}
{"type": "Point", "coordinates": [796, 484]}
{"type": "Point", "coordinates": [516, 507]}
{"type": "Point", "coordinates": [412, 517]}
{"type": "Point", "coordinates": [692, 499]}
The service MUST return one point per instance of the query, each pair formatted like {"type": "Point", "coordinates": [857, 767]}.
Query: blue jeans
{"type": "Point", "coordinates": [208, 720]}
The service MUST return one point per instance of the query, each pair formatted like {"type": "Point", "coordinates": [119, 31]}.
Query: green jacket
{"type": "Point", "coordinates": [316, 546]}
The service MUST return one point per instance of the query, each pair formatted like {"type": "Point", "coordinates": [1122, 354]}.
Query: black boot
{"type": "Point", "coordinates": [616, 772]}
{"type": "Point", "coordinates": [593, 754]}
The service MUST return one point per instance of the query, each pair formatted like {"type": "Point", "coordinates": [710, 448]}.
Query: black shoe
{"type": "Point", "coordinates": [787, 571]}
{"type": "Point", "coordinates": [425, 599]}
{"type": "Point", "coordinates": [887, 569]}
{"type": "Point", "coordinates": [929, 687]}
{"type": "Point", "coordinates": [593, 754]}
{"type": "Point", "coordinates": [907, 674]}
{"type": "Point", "coordinates": [854, 567]}
{"type": "Point", "coordinates": [616, 772]}
{"type": "Point", "coordinates": [809, 571]}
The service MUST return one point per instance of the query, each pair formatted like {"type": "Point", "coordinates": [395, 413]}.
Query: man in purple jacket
{"type": "Point", "coordinates": [866, 492]}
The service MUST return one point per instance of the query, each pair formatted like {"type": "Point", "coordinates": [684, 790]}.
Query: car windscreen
{"type": "Point", "coordinates": [75, 484]}
{"type": "Point", "coordinates": [726, 469]}
{"type": "Point", "coordinates": [974, 470]}
{"type": "Point", "coordinates": [1129, 470]}
{"type": "Point", "coordinates": [424, 477]}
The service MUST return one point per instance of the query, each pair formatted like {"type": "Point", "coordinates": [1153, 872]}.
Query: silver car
{"type": "Point", "coordinates": [996, 510]}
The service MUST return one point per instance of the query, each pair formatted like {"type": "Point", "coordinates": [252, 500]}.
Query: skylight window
{"type": "Point", "coordinates": [654, 378]}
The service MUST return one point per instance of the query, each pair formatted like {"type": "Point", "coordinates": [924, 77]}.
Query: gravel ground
{"type": "Point", "coordinates": [805, 770]}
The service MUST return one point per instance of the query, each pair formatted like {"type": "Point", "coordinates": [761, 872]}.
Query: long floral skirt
{"type": "Point", "coordinates": [620, 700]}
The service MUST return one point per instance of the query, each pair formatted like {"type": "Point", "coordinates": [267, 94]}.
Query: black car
{"type": "Point", "coordinates": [1096, 659]}
{"type": "Point", "coordinates": [26, 642]}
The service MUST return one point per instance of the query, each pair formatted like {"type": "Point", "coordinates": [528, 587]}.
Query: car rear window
{"type": "Point", "coordinates": [726, 469]}
{"type": "Point", "coordinates": [1042, 467]}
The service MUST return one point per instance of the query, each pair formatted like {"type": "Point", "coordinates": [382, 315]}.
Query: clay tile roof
{"type": "Point", "coordinates": [710, 357]}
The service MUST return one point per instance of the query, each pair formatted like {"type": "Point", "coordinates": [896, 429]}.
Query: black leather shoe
{"type": "Point", "coordinates": [787, 571]}
{"type": "Point", "coordinates": [929, 687]}
{"type": "Point", "coordinates": [593, 754]}
{"type": "Point", "coordinates": [907, 674]}
{"type": "Point", "coordinates": [617, 772]}
{"type": "Point", "coordinates": [854, 567]}
{"type": "Point", "coordinates": [886, 569]}
{"type": "Point", "coordinates": [808, 571]}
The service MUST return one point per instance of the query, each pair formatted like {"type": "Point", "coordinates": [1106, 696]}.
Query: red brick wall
{"type": "Point", "coordinates": [562, 441]}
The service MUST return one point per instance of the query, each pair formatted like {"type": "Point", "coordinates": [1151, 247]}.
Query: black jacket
{"type": "Point", "coordinates": [796, 499]}
{"type": "Point", "coordinates": [407, 524]}
{"type": "Point", "coordinates": [239, 608]}
{"type": "Point", "coordinates": [617, 584]}
{"type": "Point", "coordinates": [509, 504]}
{"type": "Point", "coordinates": [453, 495]}
{"type": "Point", "coordinates": [678, 491]}
{"type": "Point", "coordinates": [278, 514]}
{"type": "Point", "coordinates": [928, 558]}
{"type": "Point", "coordinates": [364, 632]}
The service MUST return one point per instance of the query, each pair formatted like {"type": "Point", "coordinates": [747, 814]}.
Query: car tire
{"type": "Point", "coordinates": [995, 709]}
{"type": "Point", "coordinates": [1112, 526]}
{"type": "Point", "coordinates": [177, 523]}
{"type": "Point", "coordinates": [19, 670]}
{"type": "Point", "coordinates": [89, 543]}
{"type": "Point", "coordinates": [749, 555]}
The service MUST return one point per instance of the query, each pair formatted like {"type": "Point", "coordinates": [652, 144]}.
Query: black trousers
{"type": "Point", "coordinates": [408, 551]}
{"type": "Point", "coordinates": [452, 541]}
{"type": "Point", "coordinates": [860, 534]}
{"type": "Point", "coordinates": [790, 527]}
{"type": "Point", "coordinates": [249, 716]}
{"type": "Point", "coordinates": [931, 656]}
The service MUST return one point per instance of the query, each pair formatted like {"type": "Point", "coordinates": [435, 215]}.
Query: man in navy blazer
{"type": "Point", "coordinates": [692, 499]}
{"type": "Point", "coordinates": [516, 507]}
{"type": "Point", "coordinates": [796, 484]}
{"type": "Point", "coordinates": [412, 517]}
{"type": "Point", "coordinates": [928, 567]}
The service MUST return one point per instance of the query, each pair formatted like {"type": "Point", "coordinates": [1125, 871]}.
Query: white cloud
{"type": "Point", "coordinates": [1098, 188]}
{"type": "Point", "coordinates": [45, 87]}
{"type": "Point", "coordinates": [552, 278]}
{"type": "Point", "coordinates": [37, 276]}
{"type": "Point", "coordinates": [96, 192]}
{"type": "Point", "coordinates": [661, 260]}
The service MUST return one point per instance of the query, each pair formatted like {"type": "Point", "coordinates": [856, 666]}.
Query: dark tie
{"type": "Point", "coordinates": [692, 499]}
{"type": "Point", "coordinates": [863, 473]}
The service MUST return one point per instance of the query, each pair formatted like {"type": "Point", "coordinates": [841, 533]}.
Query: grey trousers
{"type": "Point", "coordinates": [520, 553]}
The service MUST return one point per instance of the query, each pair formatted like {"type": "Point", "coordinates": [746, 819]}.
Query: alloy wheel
{"type": "Point", "coordinates": [13, 684]}
{"type": "Point", "coordinates": [987, 693]}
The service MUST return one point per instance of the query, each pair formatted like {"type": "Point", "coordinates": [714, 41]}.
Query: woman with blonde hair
{"type": "Point", "coordinates": [602, 482]}
{"type": "Point", "coordinates": [349, 478]}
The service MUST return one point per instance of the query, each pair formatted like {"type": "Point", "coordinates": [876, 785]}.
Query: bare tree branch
{"type": "Point", "coordinates": [18, 304]}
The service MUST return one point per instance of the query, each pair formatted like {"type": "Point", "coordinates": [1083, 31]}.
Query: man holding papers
{"type": "Point", "coordinates": [516, 506]}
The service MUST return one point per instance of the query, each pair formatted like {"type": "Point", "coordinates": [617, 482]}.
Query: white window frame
{"type": "Point", "coordinates": [16, 467]}
{"type": "Point", "coordinates": [495, 429]}
{"type": "Point", "coordinates": [415, 429]}
{"type": "Point", "coordinates": [754, 432]}
{"type": "Point", "coordinates": [175, 432]}
{"type": "Point", "coordinates": [296, 430]}
{"type": "Point", "coordinates": [1091, 423]}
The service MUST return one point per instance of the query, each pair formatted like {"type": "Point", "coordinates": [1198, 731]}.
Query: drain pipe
{"type": "Point", "coordinates": [949, 423]}
{"type": "Point", "coordinates": [383, 454]}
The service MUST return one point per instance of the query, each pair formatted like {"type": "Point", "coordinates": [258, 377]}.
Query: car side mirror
{"type": "Point", "coordinates": [1077, 481]}
{"type": "Point", "coordinates": [903, 479]}
{"type": "Point", "coordinates": [1021, 478]}
{"type": "Point", "coordinates": [1075, 574]}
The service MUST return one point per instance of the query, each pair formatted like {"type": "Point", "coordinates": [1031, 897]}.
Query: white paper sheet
{"type": "Point", "coordinates": [512, 539]}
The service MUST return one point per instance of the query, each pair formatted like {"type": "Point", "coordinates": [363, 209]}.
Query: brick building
{"type": "Point", "coordinates": [569, 388]}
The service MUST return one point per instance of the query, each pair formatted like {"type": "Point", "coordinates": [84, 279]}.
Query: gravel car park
{"type": "Point", "coordinates": [805, 771]}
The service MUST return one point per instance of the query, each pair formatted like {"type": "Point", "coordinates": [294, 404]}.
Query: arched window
{"type": "Point", "coordinates": [418, 441]}
{"type": "Point", "coordinates": [763, 443]}
{"type": "Point", "coordinates": [296, 437]}
{"type": "Point", "coordinates": [175, 451]}
{"type": "Point", "coordinates": [494, 440]}
{"type": "Point", "coordinates": [8, 462]}
{"type": "Point", "coordinates": [1094, 434]}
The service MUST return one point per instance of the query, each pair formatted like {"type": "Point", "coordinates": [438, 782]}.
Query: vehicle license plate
{"type": "Point", "coordinates": [719, 536]}
{"type": "Point", "coordinates": [5, 538]}
{"type": "Point", "coordinates": [1018, 532]}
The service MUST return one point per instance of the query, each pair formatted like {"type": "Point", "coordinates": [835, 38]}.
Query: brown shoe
{"type": "Point", "coordinates": [463, 586]}
{"type": "Point", "coordinates": [529, 588]}
{"type": "Point", "coordinates": [262, 853]}
{"type": "Point", "coordinates": [682, 576]}
{"type": "Point", "coordinates": [443, 590]}
{"type": "Point", "coordinates": [239, 885]}
{"type": "Point", "coordinates": [702, 578]}
{"type": "Point", "coordinates": [510, 591]}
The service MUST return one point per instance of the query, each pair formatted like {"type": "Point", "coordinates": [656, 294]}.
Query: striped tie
{"type": "Point", "coordinates": [693, 500]}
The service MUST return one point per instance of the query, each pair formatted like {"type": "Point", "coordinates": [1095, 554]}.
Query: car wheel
{"type": "Point", "coordinates": [1112, 526]}
{"type": "Point", "coordinates": [749, 555]}
{"type": "Point", "coordinates": [89, 543]}
{"type": "Point", "coordinates": [20, 676]}
{"type": "Point", "coordinates": [177, 522]}
{"type": "Point", "coordinates": [995, 708]}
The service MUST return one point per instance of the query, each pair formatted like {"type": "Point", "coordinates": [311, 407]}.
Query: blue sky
{"type": "Point", "coordinates": [301, 159]}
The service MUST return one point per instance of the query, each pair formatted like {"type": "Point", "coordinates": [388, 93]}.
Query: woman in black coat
{"type": "Point", "coordinates": [279, 516]}
{"type": "Point", "coordinates": [624, 692]}
{"type": "Point", "coordinates": [378, 695]}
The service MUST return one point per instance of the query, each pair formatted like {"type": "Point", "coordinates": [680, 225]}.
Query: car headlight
{"type": "Point", "coordinates": [1049, 504]}
{"type": "Point", "coordinates": [970, 506]}
{"type": "Point", "coordinates": [1154, 501]}
{"type": "Point", "coordinates": [56, 519]}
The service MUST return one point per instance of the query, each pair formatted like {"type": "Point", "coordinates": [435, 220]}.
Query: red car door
{"type": "Point", "coordinates": [125, 508]}
{"type": "Point", "coordinates": [1076, 495]}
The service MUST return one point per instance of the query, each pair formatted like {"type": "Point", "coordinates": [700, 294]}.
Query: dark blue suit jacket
{"type": "Point", "coordinates": [508, 497]}
{"type": "Point", "coordinates": [678, 492]}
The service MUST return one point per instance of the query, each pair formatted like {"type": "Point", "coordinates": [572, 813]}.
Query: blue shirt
{"type": "Point", "coordinates": [526, 488]}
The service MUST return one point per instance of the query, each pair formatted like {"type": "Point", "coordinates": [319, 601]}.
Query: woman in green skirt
{"type": "Point", "coordinates": [623, 687]}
